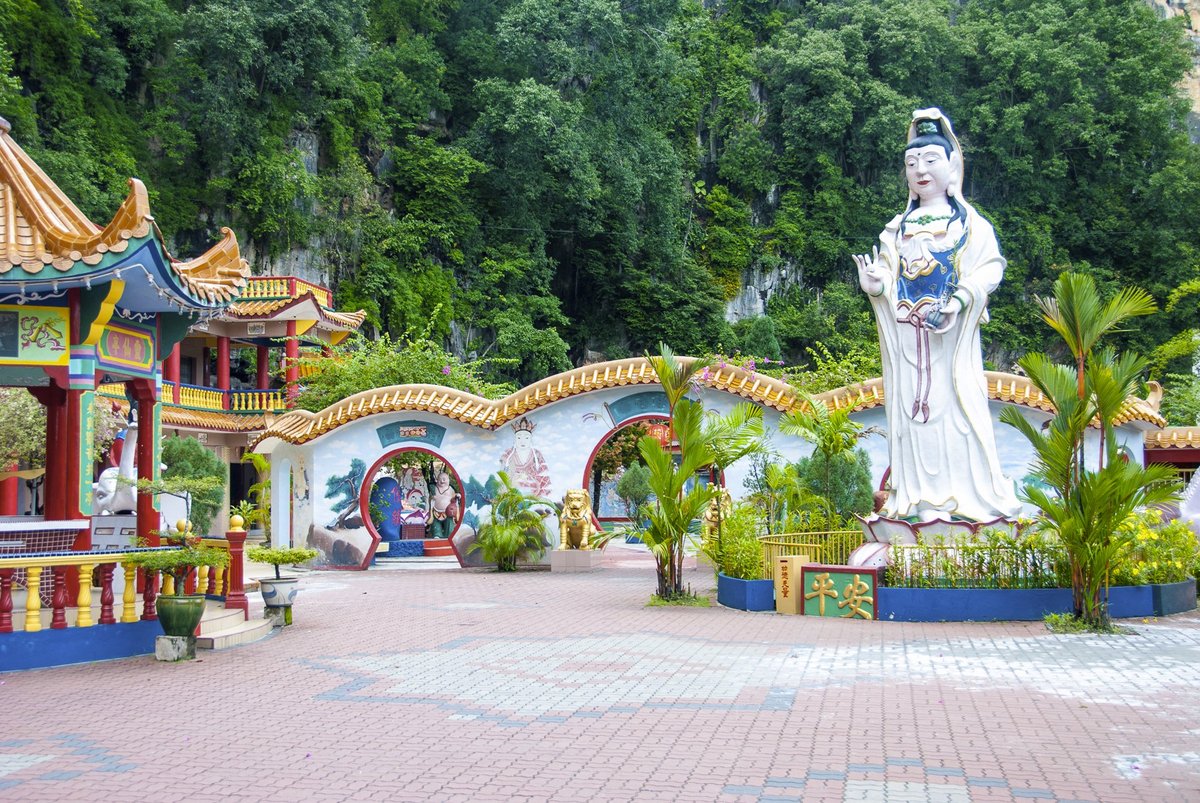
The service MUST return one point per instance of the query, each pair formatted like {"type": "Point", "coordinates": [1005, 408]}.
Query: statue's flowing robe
{"type": "Point", "coordinates": [947, 463]}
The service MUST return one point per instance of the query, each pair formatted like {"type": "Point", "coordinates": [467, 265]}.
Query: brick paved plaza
{"type": "Point", "coordinates": [442, 684]}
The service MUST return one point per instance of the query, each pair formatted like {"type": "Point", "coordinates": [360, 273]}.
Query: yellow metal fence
{"type": "Point", "coordinates": [832, 547]}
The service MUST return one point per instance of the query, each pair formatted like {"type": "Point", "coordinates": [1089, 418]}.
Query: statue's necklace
{"type": "Point", "coordinates": [925, 220]}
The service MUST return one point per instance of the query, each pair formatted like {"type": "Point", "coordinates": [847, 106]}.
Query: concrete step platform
{"type": "Point", "coordinates": [244, 632]}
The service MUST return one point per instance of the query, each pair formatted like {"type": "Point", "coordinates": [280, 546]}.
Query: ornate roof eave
{"type": "Point", "coordinates": [203, 420]}
{"type": "Point", "coordinates": [46, 242]}
{"type": "Point", "coordinates": [279, 309]}
{"type": "Point", "coordinates": [1173, 438]}
{"type": "Point", "coordinates": [1142, 413]}
{"type": "Point", "coordinates": [301, 426]}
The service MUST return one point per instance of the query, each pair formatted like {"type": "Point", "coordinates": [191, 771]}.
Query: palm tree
{"type": "Point", "coordinates": [1086, 507]}
{"type": "Point", "coordinates": [515, 530]}
{"type": "Point", "coordinates": [675, 509]}
{"type": "Point", "coordinates": [832, 432]}
{"type": "Point", "coordinates": [732, 437]}
{"type": "Point", "coordinates": [675, 376]}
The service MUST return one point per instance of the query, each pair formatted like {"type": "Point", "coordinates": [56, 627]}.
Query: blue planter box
{"type": "Point", "coordinates": [970, 604]}
{"type": "Point", "coordinates": [1127, 602]}
{"type": "Point", "coordinates": [1025, 605]}
{"type": "Point", "coordinates": [746, 595]}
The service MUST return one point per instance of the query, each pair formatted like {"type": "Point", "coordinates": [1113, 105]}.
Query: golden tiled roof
{"type": "Point", "coordinates": [1174, 438]}
{"type": "Point", "coordinates": [301, 426]}
{"type": "Point", "coordinates": [1001, 387]}
{"type": "Point", "coordinates": [40, 227]}
{"type": "Point", "coordinates": [265, 310]}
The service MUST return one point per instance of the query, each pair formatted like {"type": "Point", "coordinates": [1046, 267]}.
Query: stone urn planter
{"type": "Point", "coordinates": [279, 592]}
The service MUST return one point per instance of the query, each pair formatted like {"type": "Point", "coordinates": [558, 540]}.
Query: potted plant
{"type": "Point", "coordinates": [179, 613]}
{"type": "Point", "coordinates": [738, 556]}
{"type": "Point", "coordinates": [279, 592]}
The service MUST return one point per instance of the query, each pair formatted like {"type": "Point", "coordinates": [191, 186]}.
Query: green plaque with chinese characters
{"type": "Point", "coordinates": [839, 591]}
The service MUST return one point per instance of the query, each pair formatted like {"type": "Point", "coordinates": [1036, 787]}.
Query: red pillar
{"type": "Point", "coordinates": [223, 369]}
{"type": "Point", "coordinates": [292, 354]}
{"type": "Point", "coordinates": [235, 597]}
{"type": "Point", "coordinates": [171, 372]}
{"type": "Point", "coordinates": [205, 373]}
{"type": "Point", "coordinates": [10, 494]}
{"type": "Point", "coordinates": [147, 516]}
{"type": "Point", "coordinates": [263, 361]}
{"type": "Point", "coordinates": [54, 488]}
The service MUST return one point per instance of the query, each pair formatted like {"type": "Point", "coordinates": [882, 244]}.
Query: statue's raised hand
{"type": "Point", "coordinates": [870, 272]}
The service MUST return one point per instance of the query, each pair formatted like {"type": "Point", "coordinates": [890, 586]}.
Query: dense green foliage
{"type": "Point", "coordinates": [362, 364]}
{"type": "Point", "coordinates": [552, 178]}
{"type": "Point", "coordinates": [194, 470]}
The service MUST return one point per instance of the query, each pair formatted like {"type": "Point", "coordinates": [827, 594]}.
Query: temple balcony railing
{"type": "Point", "coordinates": [194, 397]}
{"type": "Point", "coordinates": [272, 288]}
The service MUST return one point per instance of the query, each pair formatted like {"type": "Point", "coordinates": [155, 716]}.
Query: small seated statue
{"type": "Point", "coordinates": [575, 521]}
{"type": "Point", "coordinates": [720, 506]}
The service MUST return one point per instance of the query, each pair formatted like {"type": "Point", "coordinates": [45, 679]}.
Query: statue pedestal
{"type": "Point", "coordinates": [174, 648]}
{"type": "Point", "coordinates": [575, 560]}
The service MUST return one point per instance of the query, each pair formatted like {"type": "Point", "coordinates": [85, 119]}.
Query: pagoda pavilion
{"type": "Point", "coordinates": [83, 306]}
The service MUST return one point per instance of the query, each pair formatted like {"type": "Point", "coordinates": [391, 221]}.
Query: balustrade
{"type": "Point", "coordinates": [255, 401]}
{"type": "Point", "coordinates": [201, 398]}
{"type": "Point", "coordinates": [67, 609]}
{"type": "Point", "coordinates": [260, 288]}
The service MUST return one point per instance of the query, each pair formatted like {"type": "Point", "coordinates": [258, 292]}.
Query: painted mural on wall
{"type": "Point", "coordinates": [341, 537]}
{"type": "Point", "coordinates": [524, 464]}
{"type": "Point", "coordinates": [546, 450]}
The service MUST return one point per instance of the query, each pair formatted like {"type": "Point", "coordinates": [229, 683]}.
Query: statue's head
{"type": "Point", "coordinates": [932, 143]}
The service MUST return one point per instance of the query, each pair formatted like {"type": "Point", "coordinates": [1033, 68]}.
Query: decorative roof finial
{"type": "Point", "coordinates": [5, 126]}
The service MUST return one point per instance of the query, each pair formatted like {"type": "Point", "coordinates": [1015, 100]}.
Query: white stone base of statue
{"type": "Point", "coordinates": [569, 561]}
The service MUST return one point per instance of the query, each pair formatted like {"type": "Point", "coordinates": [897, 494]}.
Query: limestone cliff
{"type": "Point", "coordinates": [1189, 10]}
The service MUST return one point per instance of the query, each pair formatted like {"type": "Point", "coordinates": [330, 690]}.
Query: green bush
{"type": "Point", "coordinates": [277, 556]}
{"type": "Point", "coordinates": [1154, 552]}
{"type": "Point", "coordinates": [192, 468]}
{"type": "Point", "coordinates": [738, 553]}
{"type": "Point", "coordinates": [995, 559]}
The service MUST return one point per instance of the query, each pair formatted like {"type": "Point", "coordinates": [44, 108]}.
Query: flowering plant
{"type": "Point", "coordinates": [1154, 552]}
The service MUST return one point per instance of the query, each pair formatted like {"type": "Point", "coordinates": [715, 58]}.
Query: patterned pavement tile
{"type": "Point", "coordinates": [443, 684]}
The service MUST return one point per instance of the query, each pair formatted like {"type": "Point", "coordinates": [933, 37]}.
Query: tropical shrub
{"type": "Point", "coordinates": [1085, 503]}
{"type": "Point", "coordinates": [739, 554]}
{"type": "Point", "coordinates": [1154, 552]}
{"type": "Point", "coordinates": [514, 531]}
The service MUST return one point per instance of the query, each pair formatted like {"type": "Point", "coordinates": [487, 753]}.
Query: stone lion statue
{"type": "Point", "coordinates": [575, 521]}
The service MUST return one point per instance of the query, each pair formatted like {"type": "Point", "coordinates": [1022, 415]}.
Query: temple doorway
{"type": "Point", "coordinates": [415, 504]}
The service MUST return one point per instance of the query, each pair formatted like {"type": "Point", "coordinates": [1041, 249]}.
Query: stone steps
{"type": "Point", "coordinates": [438, 548]}
{"type": "Point", "coordinates": [221, 628]}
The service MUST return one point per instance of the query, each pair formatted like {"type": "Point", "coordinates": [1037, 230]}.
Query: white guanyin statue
{"type": "Point", "coordinates": [928, 281]}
